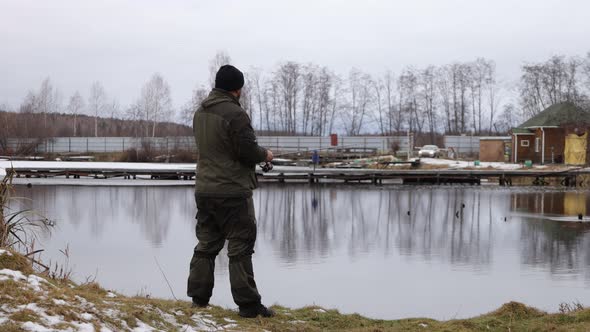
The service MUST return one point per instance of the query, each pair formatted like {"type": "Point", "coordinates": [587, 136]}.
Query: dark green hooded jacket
{"type": "Point", "coordinates": [227, 147]}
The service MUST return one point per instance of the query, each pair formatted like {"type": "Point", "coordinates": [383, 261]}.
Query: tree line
{"type": "Point", "coordinates": [310, 99]}
{"type": "Point", "coordinates": [456, 98]}
{"type": "Point", "coordinates": [45, 113]}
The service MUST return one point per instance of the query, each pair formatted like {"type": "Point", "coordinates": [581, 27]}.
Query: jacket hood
{"type": "Point", "coordinates": [218, 96]}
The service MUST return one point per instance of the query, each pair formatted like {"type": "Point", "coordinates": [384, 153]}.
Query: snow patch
{"type": "Point", "coordinates": [30, 326]}
{"type": "Point", "coordinates": [86, 316]}
{"type": "Point", "coordinates": [2, 251]}
{"type": "Point", "coordinates": [83, 327]}
{"type": "Point", "coordinates": [458, 164]}
{"type": "Point", "coordinates": [111, 294]}
{"type": "Point", "coordinates": [59, 302]}
{"type": "Point", "coordinates": [187, 328]}
{"type": "Point", "coordinates": [204, 324]}
{"type": "Point", "coordinates": [142, 327]}
{"type": "Point", "coordinates": [229, 320]}
{"type": "Point", "coordinates": [49, 320]}
{"type": "Point", "coordinates": [319, 310]}
{"type": "Point", "coordinates": [111, 313]}
{"type": "Point", "coordinates": [32, 280]}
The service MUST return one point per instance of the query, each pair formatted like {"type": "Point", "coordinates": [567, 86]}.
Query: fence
{"type": "Point", "coordinates": [463, 145]}
{"type": "Point", "coordinates": [280, 144]}
{"type": "Point", "coordinates": [100, 144]}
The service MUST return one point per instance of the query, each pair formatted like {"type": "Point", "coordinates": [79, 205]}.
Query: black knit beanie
{"type": "Point", "coordinates": [229, 78]}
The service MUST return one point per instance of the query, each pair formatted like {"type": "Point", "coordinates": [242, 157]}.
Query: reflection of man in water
{"type": "Point", "coordinates": [228, 154]}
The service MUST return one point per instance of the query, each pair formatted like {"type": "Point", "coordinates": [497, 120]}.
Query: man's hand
{"type": "Point", "coordinates": [269, 156]}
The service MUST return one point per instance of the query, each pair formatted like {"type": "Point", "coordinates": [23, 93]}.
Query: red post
{"type": "Point", "coordinates": [334, 139]}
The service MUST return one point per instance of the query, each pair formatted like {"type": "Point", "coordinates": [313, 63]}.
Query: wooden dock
{"type": "Point", "coordinates": [285, 174]}
{"type": "Point", "coordinates": [569, 178]}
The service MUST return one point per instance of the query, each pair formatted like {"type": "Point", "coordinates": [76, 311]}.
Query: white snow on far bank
{"type": "Point", "coordinates": [107, 166]}
{"type": "Point", "coordinates": [458, 164]}
{"type": "Point", "coordinates": [2, 173]}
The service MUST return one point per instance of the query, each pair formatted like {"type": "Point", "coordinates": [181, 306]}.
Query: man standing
{"type": "Point", "coordinates": [228, 154]}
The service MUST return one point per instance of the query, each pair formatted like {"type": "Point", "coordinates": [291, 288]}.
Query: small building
{"type": "Point", "coordinates": [556, 135]}
{"type": "Point", "coordinates": [494, 148]}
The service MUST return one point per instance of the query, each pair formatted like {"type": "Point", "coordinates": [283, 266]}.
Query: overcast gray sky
{"type": "Point", "coordinates": [122, 43]}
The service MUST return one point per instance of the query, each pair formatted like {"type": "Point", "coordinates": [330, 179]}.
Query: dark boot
{"type": "Point", "coordinates": [255, 310]}
{"type": "Point", "coordinates": [199, 303]}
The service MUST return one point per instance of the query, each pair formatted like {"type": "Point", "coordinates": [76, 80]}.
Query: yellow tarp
{"type": "Point", "coordinates": [575, 149]}
{"type": "Point", "coordinates": [574, 204]}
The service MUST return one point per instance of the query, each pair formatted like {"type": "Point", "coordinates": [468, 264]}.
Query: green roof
{"type": "Point", "coordinates": [520, 131]}
{"type": "Point", "coordinates": [557, 115]}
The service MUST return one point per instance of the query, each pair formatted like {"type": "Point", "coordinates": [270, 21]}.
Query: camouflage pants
{"type": "Point", "coordinates": [218, 220]}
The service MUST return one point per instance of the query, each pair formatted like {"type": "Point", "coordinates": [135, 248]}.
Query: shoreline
{"type": "Point", "coordinates": [46, 302]}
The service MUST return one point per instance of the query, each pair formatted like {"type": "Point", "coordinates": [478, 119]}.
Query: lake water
{"type": "Point", "coordinates": [385, 252]}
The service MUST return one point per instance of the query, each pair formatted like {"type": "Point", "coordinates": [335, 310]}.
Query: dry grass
{"type": "Point", "coordinates": [17, 228]}
{"type": "Point", "coordinates": [133, 311]}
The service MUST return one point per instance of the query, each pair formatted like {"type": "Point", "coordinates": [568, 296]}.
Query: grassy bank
{"type": "Point", "coordinates": [37, 302]}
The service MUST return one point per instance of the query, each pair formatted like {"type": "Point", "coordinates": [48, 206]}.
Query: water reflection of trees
{"type": "Point", "coordinates": [560, 246]}
{"type": "Point", "coordinates": [150, 208]}
{"type": "Point", "coordinates": [309, 222]}
{"type": "Point", "coordinates": [456, 225]}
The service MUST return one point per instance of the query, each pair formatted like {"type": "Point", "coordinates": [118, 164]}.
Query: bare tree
{"type": "Point", "coordinates": [428, 96]}
{"type": "Point", "coordinates": [287, 79]}
{"type": "Point", "coordinates": [507, 120]}
{"type": "Point", "coordinates": [546, 83]}
{"type": "Point", "coordinates": [155, 103]}
{"type": "Point", "coordinates": [336, 105]}
{"type": "Point", "coordinates": [221, 58]}
{"type": "Point", "coordinates": [394, 116]}
{"type": "Point", "coordinates": [476, 82]}
{"type": "Point", "coordinates": [247, 95]}
{"type": "Point", "coordinates": [358, 101]}
{"type": "Point", "coordinates": [256, 82]}
{"type": "Point", "coordinates": [443, 84]}
{"type": "Point", "coordinates": [188, 110]}
{"type": "Point", "coordinates": [97, 103]}
{"type": "Point", "coordinates": [75, 108]}
{"type": "Point", "coordinates": [47, 100]}
{"type": "Point", "coordinates": [310, 82]}
{"type": "Point", "coordinates": [408, 87]}
{"type": "Point", "coordinates": [29, 103]}
{"type": "Point", "coordinates": [460, 83]}
{"type": "Point", "coordinates": [113, 108]}
{"type": "Point", "coordinates": [493, 91]}
{"type": "Point", "coordinates": [325, 85]}
{"type": "Point", "coordinates": [381, 112]}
